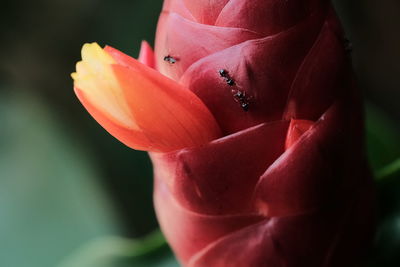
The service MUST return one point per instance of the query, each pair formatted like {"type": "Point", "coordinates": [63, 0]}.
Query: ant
{"type": "Point", "coordinates": [242, 99]}
{"type": "Point", "coordinates": [238, 95]}
{"type": "Point", "coordinates": [170, 59]}
{"type": "Point", "coordinates": [224, 74]}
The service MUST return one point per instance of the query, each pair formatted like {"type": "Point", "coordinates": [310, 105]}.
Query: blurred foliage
{"type": "Point", "coordinates": [41, 43]}
{"type": "Point", "coordinates": [384, 153]}
{"type": "Point", "coordinates": [387, 244]}
{"type": "Point", "coordinates": [69, 192]}
{"type": "Point", "coordinates": [383, 142]}
{"type": "Point", "coordinates": [122, 252]}
{"type": "Point", "coordinates": [50, 201]}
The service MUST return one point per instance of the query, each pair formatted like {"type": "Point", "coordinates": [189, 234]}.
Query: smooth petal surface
{"type": "Point", "coordinates": [94, 77]}
{"type": "Point", "coordinates": [296, 129]}
{"type": "Point", "coordinates": [277, 78]}
{"type": "Point", "coordinates": [269, 16]}
{"type": "Point", "coordinates": [307, 200]}
{"type": "Point", "coordinates": [265, 72]}
{"type": "Point", "coordinates": [179, 42]}
{"type": "Point", "coordinates": [288, 193]}
{"type": "Point", "coordinates": [216, 172]}
{"type": "Point", "coordinates": [146, 55]}
{"type": "Point", "coordinates": [126, 97]}
{"type": "Point", "coordinates": [190, 232]}
{"type": "Point", "coordinates": [322, 76]}
{"type": "Point", "coordinates": [130, 137]}
{"type": "Point", "coordinates": [205, 11]}
{"type": "Point", "coordinates": [255, 129]}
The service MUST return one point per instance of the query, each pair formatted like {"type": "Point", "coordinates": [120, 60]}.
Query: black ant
{"type": "Point", "coordinates": [230, 82]}
{"type": "Point", "coordinates": [224, 74]}
{"type": "Point", "coordinates": [170, 59]}
{"type": "Point", "coordinates": [239, 96]}
{"type": "Point", "coordinates": [242, 99]}
{"type": "Point", "coordinates": [245, 106]}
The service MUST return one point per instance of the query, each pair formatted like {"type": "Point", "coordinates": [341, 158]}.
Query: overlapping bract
{"type": "Point", "coordinates": [289, 184]}
{"type": "Point", "coordinates": [256, 137]}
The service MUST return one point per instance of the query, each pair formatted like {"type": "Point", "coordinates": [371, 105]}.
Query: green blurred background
{"type": "Point", "coordinates": [71, 195]}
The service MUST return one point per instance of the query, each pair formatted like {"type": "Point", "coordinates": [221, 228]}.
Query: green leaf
{"type": "Point", "coordinates": [389, 170]}
{"type": "Point", "coordinates": [50, 198]}
{"type": "Point", "coordinates": [383, 140]}
{"type": "Point", "coordinates": [151, 251]}
{"type": "Point", "coordinates": [384, 154]}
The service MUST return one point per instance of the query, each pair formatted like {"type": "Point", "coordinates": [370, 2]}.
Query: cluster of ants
{"type": "Point", "coordinates": [239, 96]}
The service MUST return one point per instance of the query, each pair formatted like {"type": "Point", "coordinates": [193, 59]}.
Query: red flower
{"type": "Point", "coordinates": [140, 107]}
{"type": "Point", "coordinates": [264, 164]}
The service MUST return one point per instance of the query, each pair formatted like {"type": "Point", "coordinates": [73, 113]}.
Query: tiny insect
{"type": "Point", "coordinates": [240, 95]}
{"type": "Point", "coordinates": [242, 99]}
{"type": "Point", "coordinates": [230, 82]}
{"type": "Point", "coordinates": [223, 73]}
{"type": "Point", "coordinates": [170, 59]}
{"type": "Point", "coordinates": [245, 106]}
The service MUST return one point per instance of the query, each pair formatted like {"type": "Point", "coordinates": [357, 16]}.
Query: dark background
{"type": "Point", "coordinates": [64, 181]}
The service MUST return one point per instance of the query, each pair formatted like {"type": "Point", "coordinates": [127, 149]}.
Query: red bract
{"type": "Point", "coordinates": [256, 137]}
{"type": "Point", "coordinates": [288, 185]}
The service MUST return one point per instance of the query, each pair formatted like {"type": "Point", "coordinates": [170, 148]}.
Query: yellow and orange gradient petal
{"type": "Point", "coordinates": [139, 106]}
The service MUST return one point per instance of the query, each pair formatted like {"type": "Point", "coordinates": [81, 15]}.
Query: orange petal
{"type": "Point", "coordinates": [296, 129]}
{"type": "Point", "coordinates": [94, 76]}
{"type": "Point", "coordinates": [139, 106]}
{"type": "Point", "coordinates": [131, 138]}
{"type": "Point", "coordinates": [164, 110]}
